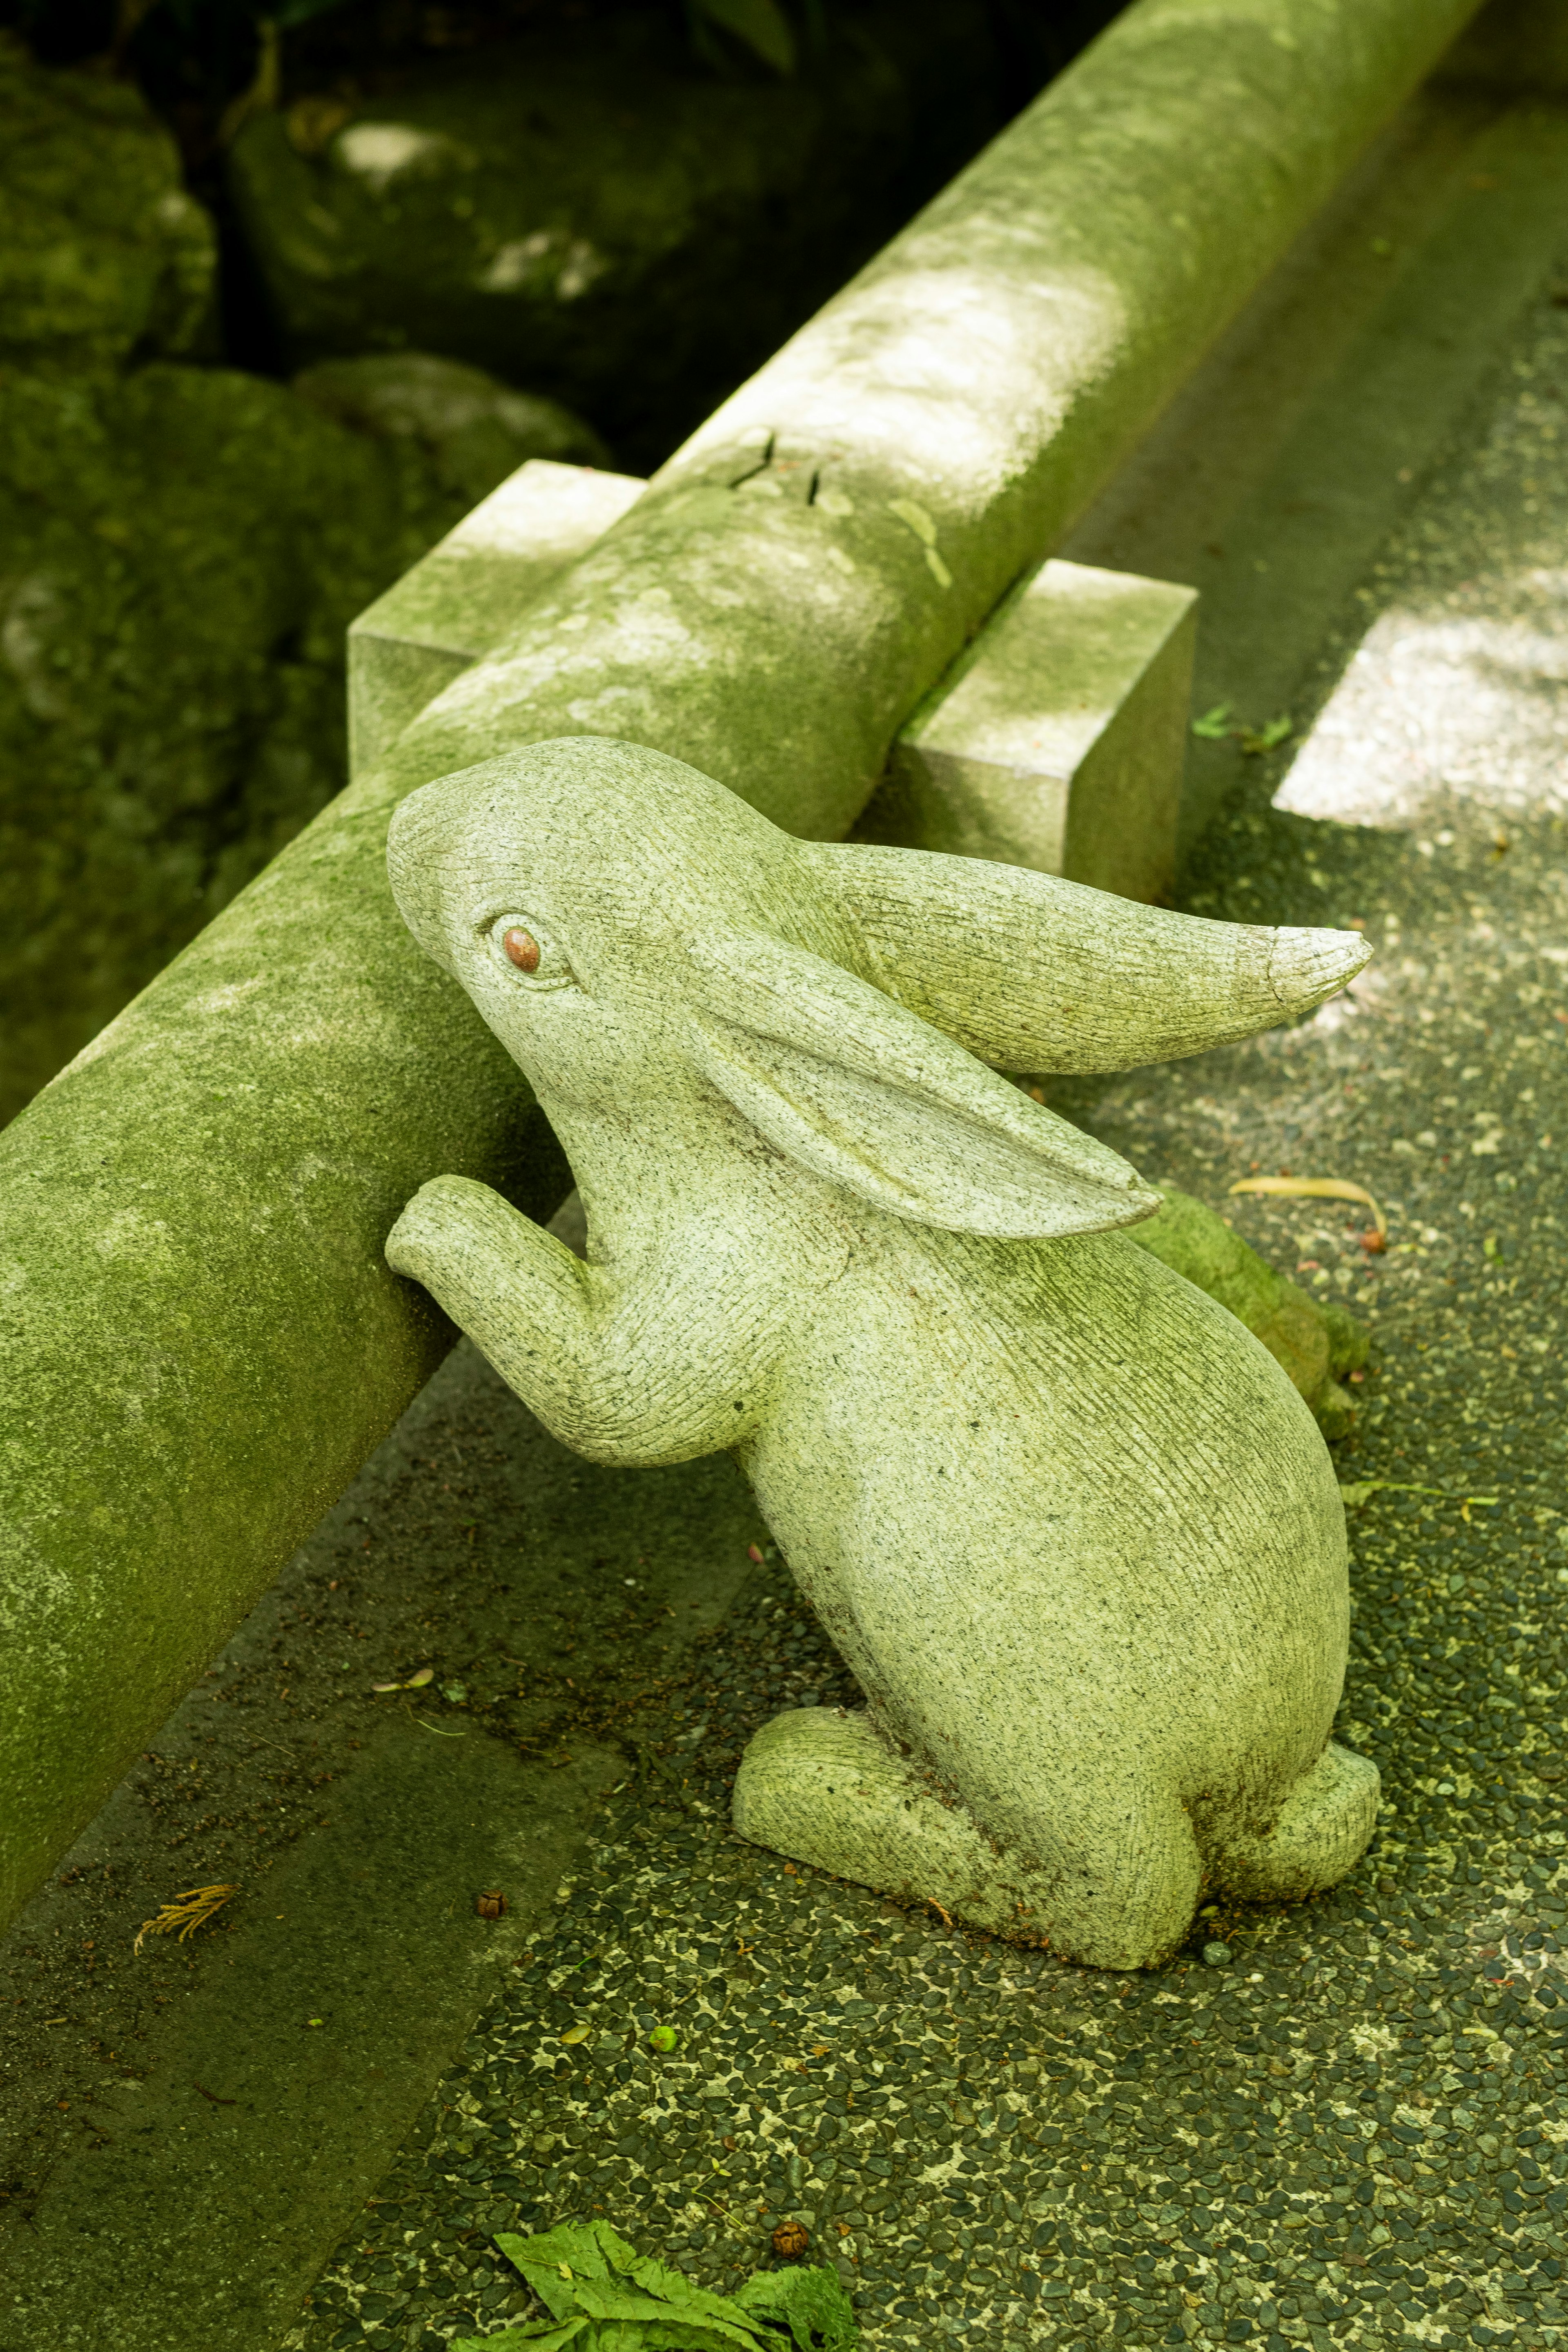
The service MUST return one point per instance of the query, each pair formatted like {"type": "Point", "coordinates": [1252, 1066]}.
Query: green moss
{"type": "Point", "coordinates": [101, 251]}
{"type": "Point", "coordinates": [186, 548]}
{"type": "Point", "coordinates": [1316, 1344]}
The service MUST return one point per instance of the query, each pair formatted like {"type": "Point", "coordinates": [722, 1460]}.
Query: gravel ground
{"type": "Point", "coordinates": [1334, 2124]}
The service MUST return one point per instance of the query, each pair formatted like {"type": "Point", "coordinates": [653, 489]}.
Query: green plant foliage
{"type": "Point", "coordinates": [189, 14]}
{"type": "Point", "coordinates": [604, 2296]}
{"type": "Point", "coordinates": [760, 25]}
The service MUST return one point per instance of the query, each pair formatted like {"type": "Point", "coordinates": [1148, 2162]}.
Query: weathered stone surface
{"type": "Point", "coordinates": [586, 212]}
{"type": "Point", "coordinates": [102, 253]}
{"type": "Point", "coordinates": [1072, 1528]}
{"type": "Point", "coordinates": [991, 365]}
{"type": "Point", "coordinates": [1058, 739]}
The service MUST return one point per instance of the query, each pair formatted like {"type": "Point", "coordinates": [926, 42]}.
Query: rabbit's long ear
{"type": "Point", "coordinates": [1034, 973]}
{"type": "Point", "coordinates": [844, 1079]}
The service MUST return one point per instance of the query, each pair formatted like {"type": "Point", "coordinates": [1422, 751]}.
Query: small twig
{"type": "Point", "coordinates": [214, 2096]}
{"type": "Point", "coordinates": [1355, 1491]}
{"type": "Point", "coordinates": [434, 1728]}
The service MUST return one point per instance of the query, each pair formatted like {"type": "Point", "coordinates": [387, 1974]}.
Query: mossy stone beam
{"type": "Point", "coordinates": [201, 1341]}
{"type": "Point", "coordinates": [1057, 739]}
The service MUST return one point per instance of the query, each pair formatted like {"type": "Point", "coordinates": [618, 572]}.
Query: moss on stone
{"type": "Point", "coordinates": [185, 548]}
{"type": "Point", "coordinates": [453, 431]}
{"type": "Point", "coordinates": [1316, 1344]}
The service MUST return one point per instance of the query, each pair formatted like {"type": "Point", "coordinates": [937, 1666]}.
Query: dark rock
{"type": "Point", "coordinates": [185, 547]}
{"type": "Point", "coordinates": [453, 428]}
{"type": "Point", "coordinates": [584, 210]}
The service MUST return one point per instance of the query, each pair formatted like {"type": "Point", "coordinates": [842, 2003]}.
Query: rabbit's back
{"type": "Point", "coordinates": [1052, 1483]}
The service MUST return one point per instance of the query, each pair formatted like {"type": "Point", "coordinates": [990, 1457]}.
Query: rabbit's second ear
{"type": "Point", "coordinates": [841, 1079]}
{"type": "Point", "coordinates": [1034, 973]}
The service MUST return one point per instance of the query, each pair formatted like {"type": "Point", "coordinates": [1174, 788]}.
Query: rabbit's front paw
{"type": "Point", "coordinates": [432, 1229]}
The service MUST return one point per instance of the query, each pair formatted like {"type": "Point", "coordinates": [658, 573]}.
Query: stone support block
{"type": "Point", "coordinates": [200, 1340]}
{"type": "Point", "coordinates": [447, 611]}
{"type": "Point", "coordinates": [1058, 739]}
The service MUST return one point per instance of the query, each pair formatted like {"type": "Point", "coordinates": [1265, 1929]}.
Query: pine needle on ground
{"type": "Point", "coordinates": [186, 1913]}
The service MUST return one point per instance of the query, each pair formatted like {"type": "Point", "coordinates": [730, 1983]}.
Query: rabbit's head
{"type": "Point", "coordinates": [636, 935]}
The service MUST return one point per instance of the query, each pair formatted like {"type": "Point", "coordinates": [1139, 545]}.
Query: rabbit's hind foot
{"type": "Point", "coordinates": [1320, 1833]}
{"type": "Point", "coordinates": [823, 1786]}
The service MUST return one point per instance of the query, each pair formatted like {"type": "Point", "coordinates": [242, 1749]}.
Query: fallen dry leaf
{"type": "Point", "coordinates": [1315, 1188]}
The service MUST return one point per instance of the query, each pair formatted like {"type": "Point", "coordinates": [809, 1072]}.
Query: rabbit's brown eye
{"type": "Point", "coordinates": [529, 949]}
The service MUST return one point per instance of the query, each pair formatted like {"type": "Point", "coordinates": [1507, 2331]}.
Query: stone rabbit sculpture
{"type": "Point", "coordinates": [1068, 1522]}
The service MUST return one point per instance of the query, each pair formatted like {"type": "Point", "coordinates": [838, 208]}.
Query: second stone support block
{"type": "Point", "coordinates": [1056, 741]}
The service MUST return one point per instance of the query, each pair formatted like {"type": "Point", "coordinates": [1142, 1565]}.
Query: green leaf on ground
{"type": "Point", "coordinates": [762, 25]}
{"type": "Point", "coordinates": [810, 2302]}
{"type": "Point", "coordinates": [604, 2296]}
{"type": "Point", "coordinates": [1215, 725]}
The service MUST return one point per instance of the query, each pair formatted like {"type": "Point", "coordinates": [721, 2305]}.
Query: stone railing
{"type": "Point", "coordinates": [202, 1340]}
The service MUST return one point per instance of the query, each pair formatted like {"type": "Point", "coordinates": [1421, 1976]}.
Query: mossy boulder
{"type": "Point", "coordinates": [1317, 1345]}
{"type": "Point", "coordinates": [451, 429]}
{"type": "Point", "coordinates": [102, 253]}
{"type": "Point", "coordinates": [586, 211]}
{"type": "Point", "coordinates": [185, 549]}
